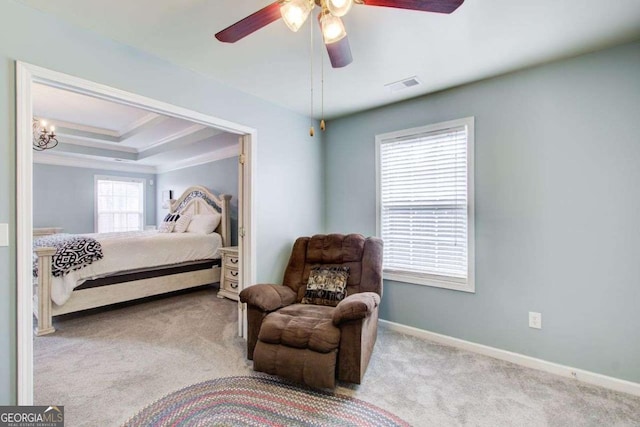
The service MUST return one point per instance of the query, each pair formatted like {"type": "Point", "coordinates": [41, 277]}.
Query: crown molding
{"type": "Point", "coordinates": [177, 135]}
{"type": "Point", "coordinates": [88, 162]}
{"type": "Point", "coordinates": [99, 145]}
{"type": "Point", "coordinates": [138, 123]}
{"type": "Point", "coordinates": [221, 154]}
{"type": "Point", "coordinates": [61, 124]}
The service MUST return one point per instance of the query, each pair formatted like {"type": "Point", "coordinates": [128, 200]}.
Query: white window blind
{"type": "Point", "coordinates": [424, 204]}
{"type": "Point", "coordinates": [119, 204]}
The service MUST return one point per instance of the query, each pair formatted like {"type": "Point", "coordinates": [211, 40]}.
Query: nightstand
{"type": "Point", "coordinates": [229, 275]}
{"type": "Point", "coordinates": [48, 231]}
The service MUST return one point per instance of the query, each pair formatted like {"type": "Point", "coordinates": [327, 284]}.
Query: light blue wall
{"type": "Point", "coordinates": [220, 176]}
{"type": "Point", "coordinates": [557, 210]}
{"type": "Point", "coordinates": [282, 185]}
{"type": "Point", "coordinates": [63, 196]}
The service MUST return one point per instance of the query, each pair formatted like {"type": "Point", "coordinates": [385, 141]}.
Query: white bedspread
{"type": "Point", "coordinates": [134, 250]}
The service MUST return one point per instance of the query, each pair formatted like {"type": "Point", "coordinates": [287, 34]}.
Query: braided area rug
{"type": "Point", "coordinates": [259, 401]}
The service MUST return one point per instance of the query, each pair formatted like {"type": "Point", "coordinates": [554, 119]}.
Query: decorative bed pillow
{"type": "Point", "coordinates": [204, 224]}
{"type": "Point", "coordinates": [326, 286]}
{"type": "Point", "coordinates": [167, 224]}
{"type": "Point", "coordinates": [171, 218]}
{"type": "Point", "coordinates": [166, 227]}
{"type": "Point", "coordinates": [182, 223]}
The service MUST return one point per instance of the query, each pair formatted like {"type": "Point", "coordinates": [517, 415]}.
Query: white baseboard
{"type": "Point", "coordinates": [519, 359]}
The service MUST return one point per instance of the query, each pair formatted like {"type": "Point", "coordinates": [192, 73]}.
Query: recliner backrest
{"type": "Point", "coordinates": [362, 255]}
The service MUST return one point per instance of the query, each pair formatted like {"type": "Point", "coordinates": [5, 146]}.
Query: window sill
{"type": "Point", "coordinates": [429, 281]}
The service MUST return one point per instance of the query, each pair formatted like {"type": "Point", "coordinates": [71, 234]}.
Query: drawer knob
{"type": "Point", "coordinates": [234, 285]}
{"type": "Point", "coordinates": [233, 260]}
{"type": "Point", "coordinates": [234, 273]}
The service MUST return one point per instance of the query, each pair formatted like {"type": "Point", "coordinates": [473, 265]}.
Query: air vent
{"type": "Point", "coordinates": [403, 84]}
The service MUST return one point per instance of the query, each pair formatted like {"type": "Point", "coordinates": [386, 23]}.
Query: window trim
{"type": "Point", "coordinates": [428, 279]}
{"type": "Point", "coordinates": [97, 178]}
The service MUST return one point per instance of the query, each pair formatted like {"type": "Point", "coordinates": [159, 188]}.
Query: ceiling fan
{"type": "Point", "coordinates": [295, 13]}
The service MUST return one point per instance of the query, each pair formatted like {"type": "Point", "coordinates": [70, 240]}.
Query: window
{"type": "Point", "coordinates": [119, 204]}
{"type": "Point", "coordinates": [425, 204]}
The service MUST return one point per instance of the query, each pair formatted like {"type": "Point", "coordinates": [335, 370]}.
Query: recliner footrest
{"type": "Point", "coordinates": [296, 364]}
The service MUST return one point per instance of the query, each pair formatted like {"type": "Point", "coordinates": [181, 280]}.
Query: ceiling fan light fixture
{"type": "Point", "coordinates": [295, 13]}
{"type": "Point", "coordinates": [332, 28]}
{"type": "Point", "coordinates": [339, 7]}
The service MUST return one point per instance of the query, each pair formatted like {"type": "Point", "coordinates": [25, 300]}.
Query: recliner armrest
{"type": "Point", "coordinates": [268, 297]}
{"type": "Point", "coordinates": [356, 306]}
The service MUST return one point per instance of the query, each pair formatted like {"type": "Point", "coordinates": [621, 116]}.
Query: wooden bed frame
{"type": "Point", "coordinates": [195, 200]}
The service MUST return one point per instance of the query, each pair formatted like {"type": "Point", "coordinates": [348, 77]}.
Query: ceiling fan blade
{"type": "Point", "coordinates": [251, 23]}
{"type": "Point", "coordinates": [439, 6]}
{"type": "Point", "coordinates": [340, 53]}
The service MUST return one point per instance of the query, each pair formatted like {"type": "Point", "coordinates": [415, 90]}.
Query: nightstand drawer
{"type": "Point", "coordinates": [231, 275]}
{"type": "Point", "coordinates": [231, 261]}
{"type": "Point", "coordinates": [231, 285]}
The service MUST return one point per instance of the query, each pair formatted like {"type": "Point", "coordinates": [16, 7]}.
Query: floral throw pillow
{"type": "Point", "coordinates": [326, 286]}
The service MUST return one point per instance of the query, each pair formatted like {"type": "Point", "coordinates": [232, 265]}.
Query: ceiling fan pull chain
{"type": "Point", "coordinates": [311, 130]}
{"type": "Point", "coordinates": [323, 125]}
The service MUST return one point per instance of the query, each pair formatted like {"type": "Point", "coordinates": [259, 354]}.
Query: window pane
{"type": "Point", "coordinates": [105, 188]}
{"type": "Point", "coordinates": [133, 222]}
{"type": "Point", "coordinates": [132, 204]}
{"type": "Point", "coordinates": [119, 205]}
{"type": "Point", "coordinates": [105, 223]}
{"type": "Point", "coordinates": [423, 196]}
{"type": "Point", "coordinates": [119, 189]}
{"type": "Point", "coordinates": [133, 190]}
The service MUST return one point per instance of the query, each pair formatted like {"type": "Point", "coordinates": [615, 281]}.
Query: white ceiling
{"type": "Point", "coordinates": [481, 39]}
{"type": "Point", "coordinates": [59, 105]}
{"type": "Point", "coordinates": [93, 130]}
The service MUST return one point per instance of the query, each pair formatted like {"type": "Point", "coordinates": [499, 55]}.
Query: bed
{"type": "Point", "coordinates": [133, 265]}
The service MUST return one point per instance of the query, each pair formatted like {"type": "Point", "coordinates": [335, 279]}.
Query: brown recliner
{"type": "Point", "coordinates": [309, 343]}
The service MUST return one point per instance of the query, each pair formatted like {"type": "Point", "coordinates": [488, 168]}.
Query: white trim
{"type": "Point", "coordinates": [61, 124]}
{"type": "Point", "coordinates": [26, 76]}
{"type": "Point", "coordinates": [103, 145]}
{"type": "Point", "coordinates": [88, 162]}
{"type": "Point", "coordinates": [426, 279]}
{"type": "Point", "coordinates": [248, 243]}
{"type": "Point", "coordinates": [138, 123]}
{"type": "Point", "coordinates": [581, 375]}
{"type": "Point", "coordinates": [97, 90]}
{"type": "Point", "coordinates": [176, 135]}
{"type": "Point", "coordinates": [24, 227]}
{"type": "Point", "coordinates": [143, 202]}
{"type": "Point", "coordinates": [223, 153]}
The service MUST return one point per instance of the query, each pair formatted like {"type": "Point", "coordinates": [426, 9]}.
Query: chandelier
{"type": "Point", "coordinates": [43, 138]}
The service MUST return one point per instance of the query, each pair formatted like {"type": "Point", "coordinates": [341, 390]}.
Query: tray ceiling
{"type": "Point", "coordinates": [96, 132]}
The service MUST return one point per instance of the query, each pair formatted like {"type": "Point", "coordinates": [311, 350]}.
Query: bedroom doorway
{"type": "Point", "coordinates": [27, 76]}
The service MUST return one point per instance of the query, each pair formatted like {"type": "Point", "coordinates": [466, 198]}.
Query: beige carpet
{"type": "Point", "coordinates": [105, 366]}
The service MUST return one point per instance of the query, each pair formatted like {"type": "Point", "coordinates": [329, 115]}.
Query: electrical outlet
{"type": "Point", "coordinates": [535, 320]}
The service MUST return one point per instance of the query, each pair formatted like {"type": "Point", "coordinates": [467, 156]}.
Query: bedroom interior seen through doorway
{"type": "Point", "coordinates": [123, 141]}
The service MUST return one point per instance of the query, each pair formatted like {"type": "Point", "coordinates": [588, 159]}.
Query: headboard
{"type": "Point", "coordinates": [199, 200]}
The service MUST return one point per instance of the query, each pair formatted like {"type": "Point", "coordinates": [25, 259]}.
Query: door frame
{"type": "Point", "coordinates": [26, 76]}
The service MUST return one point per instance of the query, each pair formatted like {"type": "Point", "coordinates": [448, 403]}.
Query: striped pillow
{"type": "Point", "coordinates": [171, 218]}
{"type": "Point", "coordinates": [182, 223]}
